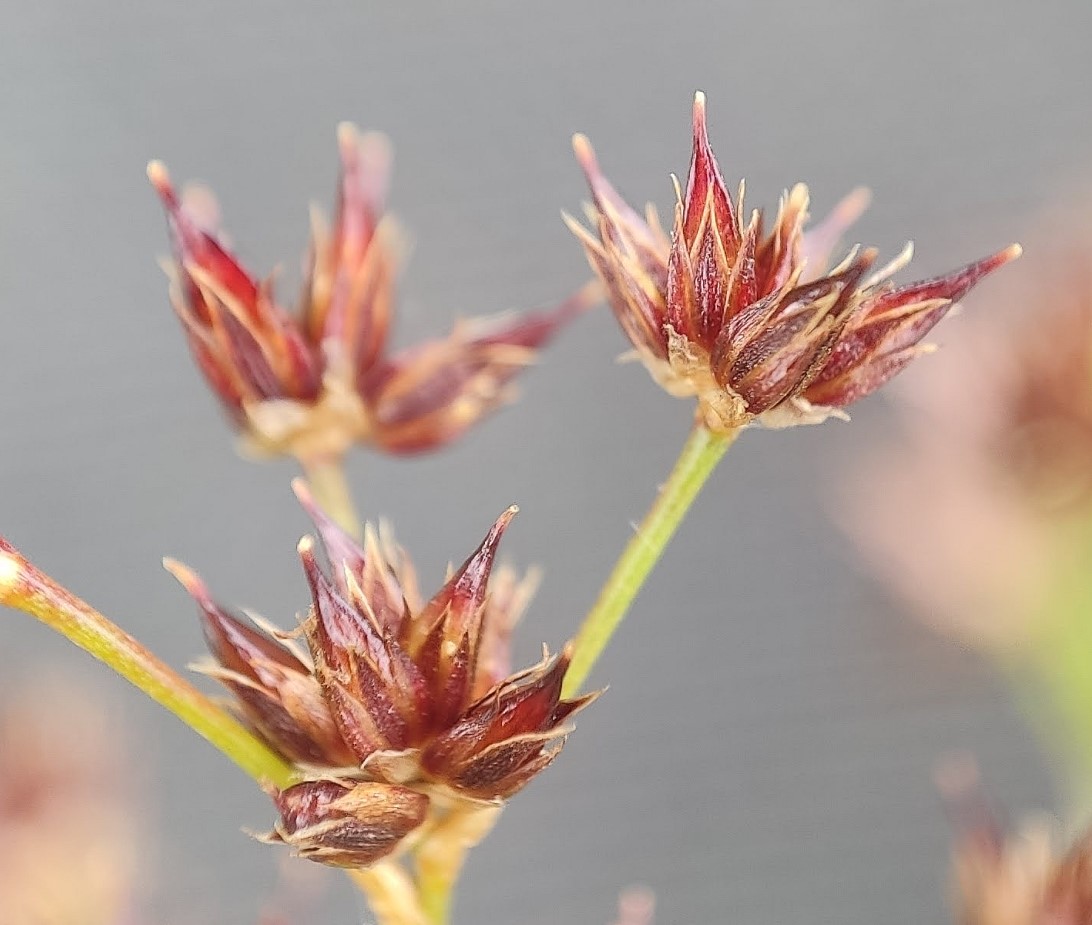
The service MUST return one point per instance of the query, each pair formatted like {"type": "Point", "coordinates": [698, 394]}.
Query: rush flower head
{"type": "Point", "coordinates": [395, 704]}
{"type": "Point", "coordinates": [315, 381]}
{"type": "Point", "coordinates": [69, 845]}
{"type": "Point", "coordinates": [746, 316]}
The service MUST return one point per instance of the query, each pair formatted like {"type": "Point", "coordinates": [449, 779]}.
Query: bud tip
{"type": "Point", "coordinates": [502, 522]}
{"type": "Point", "coordinates": [585, 154]}
{"type": "Point", "coordinates": [348, 138]}
{"type": "Point", "coordinates": [854, 205]}
{"type": "Point", "coordinates": [699, 118]}
{"type": "Point", "coordinates": [302, 491]}
{"type": "Point", "coordinates": [184, 575]}
{"type": "Point", "coordinates": [158, 176]}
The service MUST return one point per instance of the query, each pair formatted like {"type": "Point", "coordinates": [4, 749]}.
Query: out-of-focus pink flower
{"type": "Point", "coordinates": [636, 906]}
{"type": "Point", "coordinates": [315, 381]}
{"type": "Point", "coordinates": [965, 514]}
{"type": "Point", "coordinates": [68, 839]}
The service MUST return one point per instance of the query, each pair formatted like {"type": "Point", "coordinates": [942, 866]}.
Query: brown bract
{"type": "Point", "coordinates": [396, 704]}
{"type": "Point", "coordinates": [315, 381]}
{"type": "Point", "coordinates": [347, 823]}
{"type": "Point", "coordinates": [747, 317]}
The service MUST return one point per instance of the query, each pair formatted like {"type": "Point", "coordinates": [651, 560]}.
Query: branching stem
{"type": "Point", "coordinates": [25, 588]}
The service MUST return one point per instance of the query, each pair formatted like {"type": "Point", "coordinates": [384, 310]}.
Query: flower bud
{"type": "Point", "coordinates": [347, 824]}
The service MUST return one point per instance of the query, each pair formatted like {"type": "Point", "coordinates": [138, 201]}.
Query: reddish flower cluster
{"type": "Point", "coordinates": [749, 320]}
{"type": "Point", "coordinates": [315, 382]}
{"type": "Point", "coordinates": [397, 703]}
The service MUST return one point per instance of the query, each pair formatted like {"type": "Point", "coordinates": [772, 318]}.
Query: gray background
{"type": "Point", "coordinates": [764, 752]}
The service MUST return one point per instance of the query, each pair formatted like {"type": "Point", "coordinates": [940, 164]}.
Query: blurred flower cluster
{"type": "Point", "coordinates": [978, 514]}
{"type": "Point", "coordinates": [313, 382]}
{"type": "Point", "coordinates": [980, 506]}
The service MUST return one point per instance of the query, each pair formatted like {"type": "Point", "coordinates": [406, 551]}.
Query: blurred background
{"type": "Point", "coordinates": [764, 753]}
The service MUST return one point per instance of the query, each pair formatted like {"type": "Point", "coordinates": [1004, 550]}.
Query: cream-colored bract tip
{"type": "Point", "coordinates": [10, 571]}
{"type": "Point", "coordinates": [347, 133]}
{"type": "Point", "coordinates": [302, 491]}
{"type": "Point", "coordinates": [373, 146]}
{"type": "Point", "coordinates": [185, 576]}
{"type": "Point", "coordinates": [583, 150]}
{"type": "Point", "coordinates": [157, 173]}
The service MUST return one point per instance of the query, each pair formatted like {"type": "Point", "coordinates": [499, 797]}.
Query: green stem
{"type": "Point", "coordinates": [699, 457]}
{"type": "Point", "coordinates": [436, 898]}
{"type": "Point", "coordinates": [25, 588]}
{"type": "Point", "coordinates": [326, 476]}
{"type": "Point", "coordinates": [1051, 670]}
{"type": "Point", "coordinates": [1056, 703]}
{"type": "Point", "coordinates": [1052, 678]}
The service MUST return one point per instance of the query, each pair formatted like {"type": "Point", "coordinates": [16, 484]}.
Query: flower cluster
{"type": "Point", "coordinates": [314, 382]}
{"type": "Point", "coordinates": [750, 320]}
{"type": "Point", "coordinates": [397, 705]}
